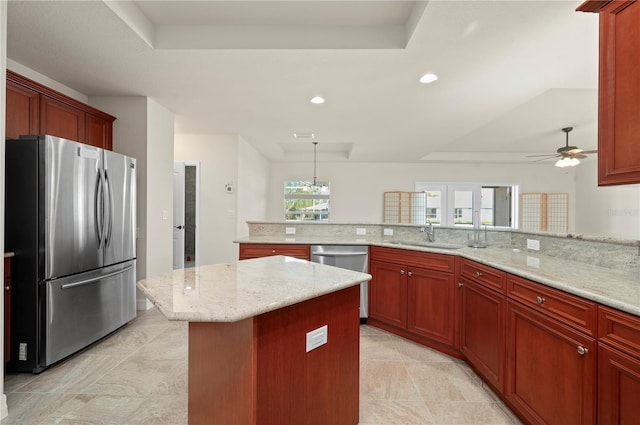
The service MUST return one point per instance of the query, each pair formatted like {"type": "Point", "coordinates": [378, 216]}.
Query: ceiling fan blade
{"type": "Point", "coordinates": [574, 151]}
{"type": "Point", "coordinates": [591, 151]}
{"type": "Point", "coordinates": [550, 155]}
{"type": "Point", "coordinates": [544, 159]}
{"type": "Point", "coordinates": [579, 156]}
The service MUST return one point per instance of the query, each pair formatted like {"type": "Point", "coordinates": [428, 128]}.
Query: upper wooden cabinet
{"type": "Point", "coordinates": [36, 109]}
{"type": "Point", "coordinates": [618, 91]}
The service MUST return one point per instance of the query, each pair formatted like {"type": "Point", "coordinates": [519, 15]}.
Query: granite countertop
{"type": "Point", "coordinates": [614, 288]}
{"type": "Point", "coordinates": [232, 292]}
{"type": "Point", "coordinates": [8, 254]}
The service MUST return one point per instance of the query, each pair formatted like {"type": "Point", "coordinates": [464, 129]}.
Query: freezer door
{"type": "Point", "coordinates": [120, 211]}
{"type": "Point", "coordinates": [72, 204]}
{"type": "Point", "coordinates": [82, 309]}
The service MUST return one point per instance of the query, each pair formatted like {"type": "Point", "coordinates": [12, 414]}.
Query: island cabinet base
{"type": "Point", "coordinates": [257, 371]}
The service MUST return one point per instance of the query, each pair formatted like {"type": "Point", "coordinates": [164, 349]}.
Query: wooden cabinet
{"type": "Point", "coordinates": [618, 367]}
{"type": "Point", "coordinates": [618, 91]}
{"type": "Point", "coordinates": [60, 119]}
{"type": "Point", "coordinates": [7, 309]}
{"type": "Point", "coordinates": [36, 109]}
{"type": "Point", "coordinates": [552, 357]}
{"type": "Point", "coordinates": [23, 110]}
{"type": "Point", "coordinates": [482, 322]}
{"type": "Point", "coordinates": [412, 294]}
{"type": "Point", "coordinates": [249, 250]}
{"type": "Point", "coordinates": [388, 294]}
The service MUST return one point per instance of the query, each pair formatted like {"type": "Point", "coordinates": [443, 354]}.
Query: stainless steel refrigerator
{"type": "Point", "coordinates": [70, 218]}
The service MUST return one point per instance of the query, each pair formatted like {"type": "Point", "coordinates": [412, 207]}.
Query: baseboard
{"type": "Point", "coordinates": [4, 409]}
{"type": "Point", "coordinates": [143, 304]}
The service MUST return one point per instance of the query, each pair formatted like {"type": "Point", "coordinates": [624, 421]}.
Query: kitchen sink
{"type": "Point", "coordinates": [434, 245]}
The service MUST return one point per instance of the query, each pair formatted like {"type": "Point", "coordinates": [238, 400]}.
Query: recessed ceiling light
{"type": "Point", "coordinates": [317, 100]}
{"type": "Point", "coordinates": [428, 78]}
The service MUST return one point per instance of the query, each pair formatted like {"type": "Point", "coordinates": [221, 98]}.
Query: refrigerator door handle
{"type": "Point", "coordinates": [95, 279]}
{"type": "Point", "coordinates": [98, 216]}
{"type": "Point", "coordinates": [109, 211]}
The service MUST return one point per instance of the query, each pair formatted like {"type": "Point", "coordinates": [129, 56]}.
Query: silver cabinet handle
{"type": "Point", "coordinates": [582, 351]}
{"type": "Point", "coordinates": [409, 273]}
{"type": "Point", "coordinates": [539, 299]}
{"type": "Point", "coordinates": [460, 284]}
{"type": "Point", "coordinates": [7, 288]}
{"type": "Point", "coordinates": [478, 274]}
{"type": "Point", "coordinates": [273, 252]}
{"type": "Point", "coordinates": [401, 271]}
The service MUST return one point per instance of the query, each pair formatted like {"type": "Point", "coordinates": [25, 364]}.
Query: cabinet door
{"type": "Point", "coordinates": [23, 106]}
{"type": "Point", "coordinates": [388, 293]}
{"type": "Point", "coordinates": [62, 120]}
{"type": "Point", "coordinates": [551, 369]}
{"type": "Point", "coordinates": [618, 387]}
{"type": "Point", "coordinates": [98, 132]}
{"type": "Point", "coordinates": [483, 331]}
{"type": "Point", "coordinates": [619, 94]}
{"type": "Point", "coordinates": [430, 304]}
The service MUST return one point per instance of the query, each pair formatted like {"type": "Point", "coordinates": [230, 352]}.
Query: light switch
{"type": "Point", "coordinates": [360, 231]}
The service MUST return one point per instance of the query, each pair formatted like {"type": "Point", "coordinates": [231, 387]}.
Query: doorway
{"type": "Point", "coordinates": [186, 182]}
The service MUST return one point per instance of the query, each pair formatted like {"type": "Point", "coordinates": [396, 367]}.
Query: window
{"type": "Point", "coordinates": [464, 204]}
{"type": "Point", "coordinates": [302, 202]}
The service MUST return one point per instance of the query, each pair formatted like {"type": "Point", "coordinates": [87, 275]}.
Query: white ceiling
{"type": "Point", "coordinates": [512, 73]}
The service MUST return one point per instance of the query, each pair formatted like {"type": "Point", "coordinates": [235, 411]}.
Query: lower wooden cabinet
{"type": "Point", "coordinates": [483, 331]}
{"type": "Point", "coordinates": [618, 387]}
{"type": "Point", "coordinates": [388, 293]}
{"type": "Point", "coordinates": [430, 304]}
{"type": "Point", "coordinates": [415, 302]}
{"type": "Point", "coordinates": [551, 370]}
{"type": "Point", "coordinates": [250, 250]}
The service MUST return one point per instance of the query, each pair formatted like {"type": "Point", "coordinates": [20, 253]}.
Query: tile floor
{"type": "Point", "coordinates": [139, 376]}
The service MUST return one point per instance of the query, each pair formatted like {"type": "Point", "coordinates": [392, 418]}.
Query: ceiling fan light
{"type": "Point", "coordinates": [561, 163]}
{"type": "Point", "coordinates": [573, 162]}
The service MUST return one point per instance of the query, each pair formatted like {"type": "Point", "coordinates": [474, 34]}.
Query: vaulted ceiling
{"type": "Point", "coordinates": [511, 73]}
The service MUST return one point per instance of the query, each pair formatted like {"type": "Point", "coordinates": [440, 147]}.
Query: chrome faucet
{"type": "Point", "coordinates": [431, 237]}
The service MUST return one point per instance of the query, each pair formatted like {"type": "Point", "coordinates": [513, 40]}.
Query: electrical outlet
{"type": "Point", "coordinates": [317, 337]}
{"type": "Point", "coordinates": [360, 231]}
{"type": "Point", "coordinates": [533, 244]}
{"type": "Point", "coordinates": [533, 262]}
{"type": "Point", "coordinates": [388, 232]}
{"type": "Point", "coordinates": [22, 351]}
{"type": "Point", "coordinates": [290, 230]}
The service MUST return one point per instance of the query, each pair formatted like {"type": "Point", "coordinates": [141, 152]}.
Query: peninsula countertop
{"type": "Point", "coordinates": [236, 291]}
{"type": "Point", "coordinates": [615, 288]}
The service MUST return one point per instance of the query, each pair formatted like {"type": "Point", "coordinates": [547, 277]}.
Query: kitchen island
{"type": "Point", "coordinates": [256, 340]}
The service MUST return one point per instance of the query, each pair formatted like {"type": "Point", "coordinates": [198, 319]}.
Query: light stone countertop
{"type": "Point", "coordinates": [614, 288]}
{"type": "Point", "coordinates": [8, 254]}
{"type": "Point", "coordinates": [236, 291]}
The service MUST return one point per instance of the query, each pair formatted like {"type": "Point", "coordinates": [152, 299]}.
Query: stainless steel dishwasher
{"type": "Point", "coordinates": [351, 257]}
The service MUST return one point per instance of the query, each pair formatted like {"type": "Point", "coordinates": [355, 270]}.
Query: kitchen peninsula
{"type": "Point", "coordinates": [271, 340]}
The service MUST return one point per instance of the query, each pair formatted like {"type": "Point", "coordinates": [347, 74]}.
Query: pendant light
{"type": "Point", "coordinates": [314, 186]}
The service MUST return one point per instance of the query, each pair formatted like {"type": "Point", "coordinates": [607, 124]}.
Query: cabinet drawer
{"type": "Point", "coordinates": [569, 309]}
{"type": "Point", "coordinates": [620, 330]}
{"type": "Point", "coordinates": [265, 250]}
{"type": "Point", "coordinates": [486, 275]}
{"type": "Point", "coordinates": [408, 257]}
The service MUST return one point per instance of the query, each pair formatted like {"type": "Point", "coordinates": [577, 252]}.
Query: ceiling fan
{"type": "Point", "coordinates": [570, 156]}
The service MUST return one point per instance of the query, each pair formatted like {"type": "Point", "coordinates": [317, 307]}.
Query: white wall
{"type": "Point", "coordinates": [357, 188]}
{"type": "Point", "coordinates": [218, 157]}
{"type": "Point", "coordinates": [252, 184]}
{"type": "Point", "coordinates": [3, 67]}
{"type": "Point", "coordinates": [606, 211]}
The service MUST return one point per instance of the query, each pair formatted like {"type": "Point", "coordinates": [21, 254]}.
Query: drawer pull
{"type": "Point", "coordinates": [539, 299]}
{"type": "Point", "coordinates": [478, 274]}
{"type": "Point", "coordinates": [7, 288]}
{"type": "Point", "coordinates": [273, 252]}
{"type": "Point", "coordinates": [409, 274]}
{"type": "Point", "coordinates": [401, 271]}
{"type": "Point", "coordinates": [582, 351]}
{"type": "Point", "coordinates": [460, 284]}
